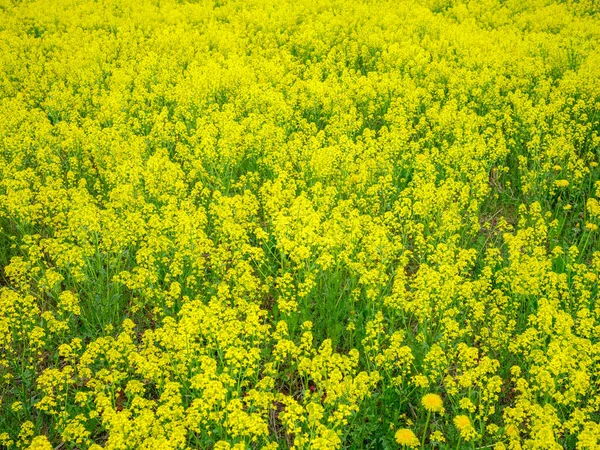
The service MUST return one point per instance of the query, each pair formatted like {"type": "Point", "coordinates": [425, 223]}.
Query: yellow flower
{"type": "Point", "coordinates": [432, 403]}
{"type": "Point", "coordinates": [40, 443]}
{"type": "Point", "coordinates": [512, 431]}
{"type": "Point", "coordinates": [462, 422]}
{"type": "Point", "coordinates": [421, 380]}
{"type": "Point", "coordinates": [406, 437]}
{"type": "Point", "coordinates": [16, 407]}
{"type": "Point", "coordinates": [438, 436]}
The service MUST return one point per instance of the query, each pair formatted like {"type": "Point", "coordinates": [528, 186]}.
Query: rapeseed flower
{"type": "Point", "coordinates": [240, 224]}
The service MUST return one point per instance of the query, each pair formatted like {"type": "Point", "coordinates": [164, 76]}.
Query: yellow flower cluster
{"type": "Point", "coordinates": [251, 224]}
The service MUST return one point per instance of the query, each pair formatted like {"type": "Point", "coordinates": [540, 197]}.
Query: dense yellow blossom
{"type": "Point", "coordinates": [251, 224]}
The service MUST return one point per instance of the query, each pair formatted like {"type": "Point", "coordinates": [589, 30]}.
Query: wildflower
{"type": "Point", "coordinates": [16, 407]}
{"type": "Point", "coordinates": [432, 403]}
{"type": "Point", "coordinates": [438, 436]}
{"type": "Point", "coordinates": [40, 443]}
{"type": "Point", "coordinates": [463, 423]}
{"type": "Point", "coordinates": [561, 183]}
{"type": "Point", "coordinates": [512, 431]}
{"type": "Point", "coordinates": [406, 437]}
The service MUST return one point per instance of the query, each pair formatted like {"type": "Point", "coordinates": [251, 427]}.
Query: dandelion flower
{"type": "Point", "coordinates": [462, 422]}
{"type": "Point", "coordinates": [406, 437]}
{"type": "Point", "coordinates": [432, 403]}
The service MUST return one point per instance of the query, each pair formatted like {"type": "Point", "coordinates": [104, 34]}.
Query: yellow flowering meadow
{"type": "Point", "coordinates": [259, 224]}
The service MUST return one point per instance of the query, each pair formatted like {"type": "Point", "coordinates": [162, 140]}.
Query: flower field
{"type": "Point", "coordinates": [260, 224]}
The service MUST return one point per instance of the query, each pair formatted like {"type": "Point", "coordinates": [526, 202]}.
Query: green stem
{"type": "Point", "coordinates": [425, 430]}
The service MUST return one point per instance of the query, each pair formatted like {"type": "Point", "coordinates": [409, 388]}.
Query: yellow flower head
{"type": "Point", "coordinates": [40, 443]}
{"type": "Point", "coordinates": [432, 403]}
{"type": "Point", "coordinates": [512, 431]}
{"type": "Point", "coordinates": [406, 437]}
{"type": "Point", "coordinates": [461, 421]}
